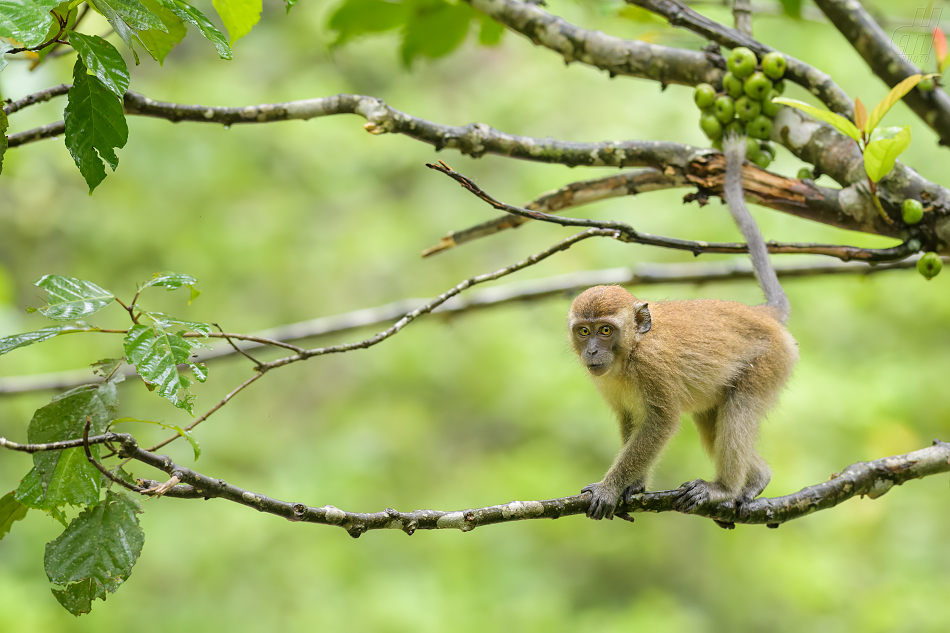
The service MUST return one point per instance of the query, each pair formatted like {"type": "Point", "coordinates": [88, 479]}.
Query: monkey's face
{"type": "Point", "coordinates": [596, 343]}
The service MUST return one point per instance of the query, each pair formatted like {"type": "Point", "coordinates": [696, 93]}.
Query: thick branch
{"type": "Point", "coordinates": [813, 80]}
{"type": "Point", "coordinates": [889, 63]}
{"type": "Point", "coordinates": [533, 290]}
{"type": "Point", "coordinates": [872, 479]}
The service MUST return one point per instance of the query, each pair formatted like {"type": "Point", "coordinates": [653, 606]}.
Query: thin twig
{"type": "Point", "coordinates": [92, 460]}
{"type": "Point", "coordinates": [58, 446]}
{"type": "Point", "coordinates": [236, 348]}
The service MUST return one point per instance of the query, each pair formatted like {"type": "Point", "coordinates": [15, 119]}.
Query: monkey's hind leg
{"type": "Point", "coordinates": [741, 474]}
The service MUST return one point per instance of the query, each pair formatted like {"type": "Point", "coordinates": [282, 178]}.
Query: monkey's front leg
{"type": "Point", "coordinates": [628, 474]}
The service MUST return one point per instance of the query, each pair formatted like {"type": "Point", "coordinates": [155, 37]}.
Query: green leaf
{"type": "Point", "coordinates": [10, 343]}
{"type": "Point", "coordinates": [156, 355]}
{"type": "Point", "coordinates": [200, 370]}
{"type": "Point", "coordinates": [157, 43]}
{"type": "Point", "coordinates": [290, 5]}
{"type": "Point", "coordinates": [95, 122]}
{"type": "Point", "coordinates": [896, 94]}
{"type": "Point", "coordinates": [880, 156]}
{"type": "Point", "coordinates": [792, 8]}
{"type": "Point", "coordinates": [128, 17]}
{"type": "Point", "coordinates": [359, 17]}
{"type": "Point", "coordinates": [11, 511]}
{"type": "Point", "coordinates": [188, 435]}
{"type": "Point", "coordinates": [4, 47]}
{"type": "Point", "coordinates": [107, 366]}
{"type": "Point", "coordinates": [164, 321]}
{"type": "Point", "coordinates": [70, 298]}
{"type": "Point", "coordinates": [66, 477]}
{"type": "Point", "coordinates": [171, 281]}
{"type": "Point", "coordinates": [61, 11]}
{"type": "Point", "coordinates": [102, 60]}
{"type": "Point", "coordinates": [842, 124]}
{"type": "Point", "coordinates": [26, 21]}
{"type": "Point", "coordinates": [434, 30]}
{"type": "Point", "coordinates": [97, 552]}
{"type": "Point", "coordinates": [190, 14]}
{"type": "Point", "coordinates": [239, 16]}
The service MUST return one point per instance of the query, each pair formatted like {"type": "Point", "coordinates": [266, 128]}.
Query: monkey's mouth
{"type": "Point", "coordinates": [598, 369]}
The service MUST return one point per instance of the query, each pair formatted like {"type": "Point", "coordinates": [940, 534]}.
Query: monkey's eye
{"type": "Point", "coordinates": [583, 331]}
{"type": "Point", "coordinates": [605, 330]}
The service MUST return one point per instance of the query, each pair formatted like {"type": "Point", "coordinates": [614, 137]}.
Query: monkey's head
{"type": "Point", "coordinates": [604, 321]}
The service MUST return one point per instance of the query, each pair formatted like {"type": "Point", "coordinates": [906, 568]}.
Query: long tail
{"type": "Point", "coordinates": [734, 148]}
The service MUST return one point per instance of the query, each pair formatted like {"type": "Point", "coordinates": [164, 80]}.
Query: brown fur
{"type": "Point", "coordinates": [722, 361]}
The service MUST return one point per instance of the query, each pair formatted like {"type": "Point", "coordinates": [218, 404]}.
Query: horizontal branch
{"type": "Point", "coordinates": [813, 80]}
{"type": "Point", "coordinates": [58, 446]}
{"type": "Point", "coordinates": [627, 233]}
{"type": "Point", "coordinates": [36, 97]}
{"type": "Point", "coordinates": [889, 63]}
{"type": "Point", "coordinates": [525, 291]}
{"type": "Point", "coordinates": [871, 479]}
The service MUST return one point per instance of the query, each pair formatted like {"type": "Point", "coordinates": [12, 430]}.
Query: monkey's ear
{"type": "Point", "coordinates": [642, 317]}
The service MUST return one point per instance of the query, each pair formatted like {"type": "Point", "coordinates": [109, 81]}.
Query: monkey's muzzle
{"type": "Point", "coordinates": [598, 369]}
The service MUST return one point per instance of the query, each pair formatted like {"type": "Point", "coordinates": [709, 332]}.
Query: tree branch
{"type": "Point", "coordinates": [626, 233]}
{"type": "Point", "coordinates": [808, 77]}
{"type": "Point", "coordinates": [533, 290]}
{"type": "Point", "coordinates": [36, 97]}
{"type": "Point", "coordinates": [872, 479]}
{"type": "Point", "coordinates": [888, 63]}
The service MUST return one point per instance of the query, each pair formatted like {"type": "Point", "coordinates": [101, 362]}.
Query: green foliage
{"type": "Point", "coordinates": [188, 13]}
{"type": "Point", "coordinates": [95, 554]}
{"type": "Point", "coordinates": [160, 43]}
{"type": "Point", "coordinates": [188, 435]}
{"type": "Point", "coordinates": [880, 156]}
{"type": "Point", "coordinates": [95, 125]}
{"type": "Point", "coordinates": [172, 281]}
{"type": "Point", "coordinates": [840, 123]}
{"type": "Point", "coordinates": [156, 355]}
{"type": "Point", "coordinates": [239, 16]}
{"type": "Point", "coordinates": [896, 94]}
{"type": "Point", "coordinates": [70, 298]}
{"type": "Point", "coordinates": [10, 343]}
{"type": "Point", "coordinates": [66, 477]}
{"type": "Point", "coordinates": [435, 29]}
{"type": "Point", "coordinates": [26, 21]}
{"type": "Point", "coordinates": [11, 511]}
{"type": "Point", "coordinates": [102, 60]}
{"type": "Point", "coordinates": [128, 17]}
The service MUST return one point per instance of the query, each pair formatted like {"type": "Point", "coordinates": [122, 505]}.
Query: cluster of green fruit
{"type": "Point", "coordinates": [929, 264]}
{"type": "Point", "coordinates": [745, 106]}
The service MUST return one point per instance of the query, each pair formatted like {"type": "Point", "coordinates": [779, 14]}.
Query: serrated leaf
{"type": "Point", "coordinates": [171, 281]}
{"type": "Point", "coordinates": [200, 370]}
{"type": "Point", "coordinates": [10, 343]}
{"type": "Point", "coordinates": [128, 17]}
{"type": "Point", "coordinates": [97, 552]}
{"type": "Point", "coordinates": [880, 156]}
{"type": "Point", "coordinates": [26, 21]}
{"type": "Point", "coordinates": [70, 298]}
{"type": "Point", "coordinates": [107, 367]}
{"type": "Point", "coordinates": [239, 16]}
{"type": "Point", "coordinates": [188, 13]}
{"type": "Point", "coordinates": [842, 124]}
{"type": "Point", "coordinates": [156, 355]}
{"type": "Point", "coordinates": [11, 511]}
{"type": "Point", "coordinates": [157, 43]}
{"type": "Point", "coordinates": [102, 60]}
{"type": "Point", "coordinates": [188, 435]}
{"type": "Point", "coordinates": [66, 477]}
{"type": "Point", "coordinates": [435, 30]}
{"type": "Point", "coordinates": [896, 94]}
{"type": "Point", "coordinates": [164, 321]}
{"type": "Point", "coordinates": [95, 125]}
{"type": "Point", "coordinates": [359, 17]}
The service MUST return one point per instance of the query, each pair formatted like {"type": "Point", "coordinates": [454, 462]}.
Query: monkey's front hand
{"type": "Point", "coordinates": [603, 500]}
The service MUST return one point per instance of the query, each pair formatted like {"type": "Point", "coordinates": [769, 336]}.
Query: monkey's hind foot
{"type": "Point", "coordinates": [603, 501]}
{"type": "Point", "coordinates": [695, 493]}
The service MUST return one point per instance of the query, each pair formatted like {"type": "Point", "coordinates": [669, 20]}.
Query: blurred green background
{"type": "Point", "coordinates": [289, 221]}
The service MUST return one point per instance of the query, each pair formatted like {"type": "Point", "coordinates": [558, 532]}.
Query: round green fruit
{"type": "Point", "coordinates": [774, 65]}
{"type": "Point", "coordinates": [741, 62]}
{"type": "Point", "coordinates": [926, 85]}
{"type": "Point", "coordinates": [747, 109]}
{"type": "Point", "coordinates": [768, 148]}
{"type": "Point", "coordinates": [735, 128]}
{"type": "Point", "coordinates": [762, 160]}
{"type": "Point", "coordinates": [769, 108]}
{"type": "Point", "coordinates": [711, 126]}
{"type": "Point", "coordinates": [779, 86]}
{"type": "Point", "coordinates": [759, 127]}
{"type": "Point", "coordinates": [929, 265]}
{"type": "Point", "coordinates": [757, 86]}
{"type": "Point", "coordinates": [717, 144]}
{"type": "Point", "coordinates": [724, 109]}
{"type": "Point", "coordinates": [804, 173]}
{"type": "Point", "coordinates": [732, 85]}
{"type": "Point", "coordinates": [912, 211]}
{"type": "Point", "coordinates": [752, 149]}
{"type": "Point", "coordinates": [704, 96]}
